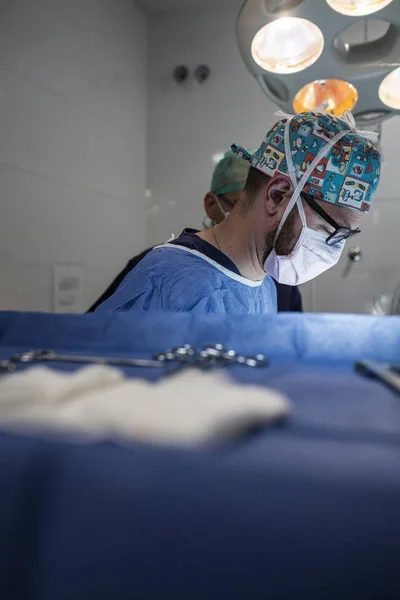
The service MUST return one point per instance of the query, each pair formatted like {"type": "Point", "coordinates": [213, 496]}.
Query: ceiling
{"type": "Point", "coordinates": [164, 5]}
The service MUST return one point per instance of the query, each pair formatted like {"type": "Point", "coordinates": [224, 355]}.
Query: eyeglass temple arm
{"type": "Point", "coordinates": [315, 206]}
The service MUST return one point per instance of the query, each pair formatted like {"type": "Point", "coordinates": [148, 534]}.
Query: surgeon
{"type": "Point", "coordinates": [309, 185]}
{"type": "Point", "coordinates": [228, 181]}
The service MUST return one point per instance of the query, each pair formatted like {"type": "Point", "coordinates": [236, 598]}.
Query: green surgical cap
{"type": "Point", "coordinates": [229, 175]}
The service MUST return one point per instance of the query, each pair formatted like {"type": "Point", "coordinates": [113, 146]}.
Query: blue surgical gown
{"type": "Point", "coordinates": [176, 278]}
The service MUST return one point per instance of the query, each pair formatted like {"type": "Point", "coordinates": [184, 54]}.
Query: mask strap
{"type": "Point", "coordinates": [293, 174]}
{"type": "Point", "coordinates": [372, 136]}
{"type": "Point", "coordinates": [350, 121]}
{"type": "Point", "coordinates": [220, 208]}
{"type": "Point", "coordinates": [283, 115]}
{"type": "Point", "coordinates": [299, 186]}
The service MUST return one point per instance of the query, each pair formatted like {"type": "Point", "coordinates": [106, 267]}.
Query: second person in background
{"type": "Point", "coordinates": [227, 185]}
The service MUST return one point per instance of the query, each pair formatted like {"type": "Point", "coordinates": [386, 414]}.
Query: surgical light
{"type": "Point", "coordinates": [389, 90]}
{"type": "Point", "coordinates": [298, 67]}
{"type": "Point", "coordinates": [358, 8]}
{"type": "Point", "coordinates": [335, 95]}
{"type": "Point", "coordinates": [287, 45]}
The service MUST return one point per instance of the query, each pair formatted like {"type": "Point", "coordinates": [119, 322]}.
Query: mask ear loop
{"type": "Point", "coordinates": [221, 209]}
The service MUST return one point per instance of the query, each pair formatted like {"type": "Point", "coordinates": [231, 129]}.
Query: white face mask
{"type": "Point", "coordinates": [311, 255]}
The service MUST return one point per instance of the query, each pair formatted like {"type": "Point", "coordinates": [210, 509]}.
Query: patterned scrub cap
{"type": "Point", "coordinates": [347, 175]}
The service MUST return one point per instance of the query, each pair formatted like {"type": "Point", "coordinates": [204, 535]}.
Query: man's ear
{"type": "Point", "coordinates": [210, 206]}
{"type": "Point", "coordinates": [277, 194]}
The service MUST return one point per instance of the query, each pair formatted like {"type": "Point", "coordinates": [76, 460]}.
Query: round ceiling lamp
{"type": "Point", "coordinates": [287, 45]}
{"type": "Point", "coordinates": [299, 67]}
{"type": "Point", "coordinates": [335, 95]}
{"type": "Point", "coordinates": [358, 8]}
{"type": "Point", "coordinates": [389, 90]}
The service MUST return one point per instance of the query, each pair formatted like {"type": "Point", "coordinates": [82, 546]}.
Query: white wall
{"type": "Point", "coordinates": [73, 143]}
{"type": "Point", "coordinates": [188, 124]}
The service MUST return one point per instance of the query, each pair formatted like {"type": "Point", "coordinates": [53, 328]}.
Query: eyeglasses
{"type": "Point", "coordinates": [341, 233]}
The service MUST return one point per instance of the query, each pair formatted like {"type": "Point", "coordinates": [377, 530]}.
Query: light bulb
{"type": "Point", "coordinates": [389, 90]}
{"type": "Point", "coordinates": [287, 45]}
{"type": "Point", "coordinates": [358, 8]}
{"type": "Point", "coordinates": [334, 95]}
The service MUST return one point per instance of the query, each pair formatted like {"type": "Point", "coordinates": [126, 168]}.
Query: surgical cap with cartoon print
{"type": "Point", "coordinates": [346, 175]}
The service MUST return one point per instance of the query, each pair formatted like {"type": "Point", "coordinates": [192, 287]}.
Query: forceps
{"type": "Point", "coordinates": [210, 356]}
{"type": "Point", "coordinates": [34, 356]}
